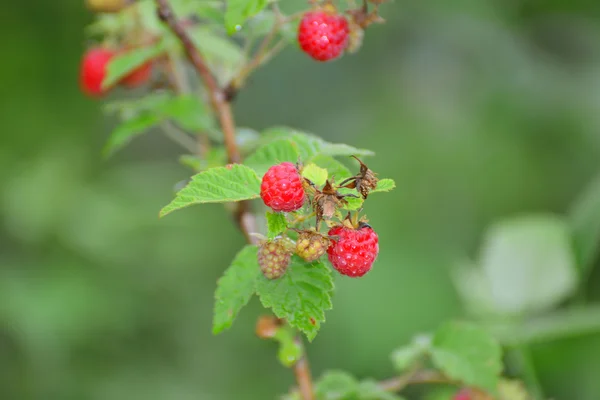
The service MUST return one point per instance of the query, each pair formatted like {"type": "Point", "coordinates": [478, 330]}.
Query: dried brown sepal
{"type": "Point", "coordinates": [363, 182]}
{"type": "Point", "coordinates": [267, 326]}
{"type": "Point", "coordinates": [363, 18]}
{"type": "Point", "coordinates": [327, 201]}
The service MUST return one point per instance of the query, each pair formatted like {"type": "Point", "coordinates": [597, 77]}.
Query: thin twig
{"type": "Point", "coordinates": [304, 378]}
{"type": "Point", "coordinates": [420, 377]}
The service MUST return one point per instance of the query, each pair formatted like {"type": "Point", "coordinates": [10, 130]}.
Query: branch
{"type": "Point", "coordinates": [243, 215]}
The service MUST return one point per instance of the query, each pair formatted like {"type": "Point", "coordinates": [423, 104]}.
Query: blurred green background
{"type": "Point", "coordinates": [478, 109]}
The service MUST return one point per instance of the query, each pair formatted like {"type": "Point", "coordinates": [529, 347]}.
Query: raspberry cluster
{"type": "Point", "coordinates": [351, 245]}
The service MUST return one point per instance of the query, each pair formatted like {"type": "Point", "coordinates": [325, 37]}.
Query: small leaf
{"type": "Point", "coordinates": [188, 111]}
{"type": "Point", "coordinates": [584, 220]}
{"type": "Point", "coordinates": [272, 153]}
{"type": "Point", "coordinates": [235, 288]}
{"type": "Point", "coordinates": [217, 185]}
{"type": "Point", "coordinates": [384, 185]}
{"type": "Point", "coordinates": [276, 224]}
{"type": "Point", "coordinates": [316, 175]}
{"type": "Point", "coordinates": [216, 48]}
{"type": "Point", "coordinates": [128, 130]}
{"type": "Point", "coordinates": [290, 350]}
{"type": "Point", "coordinates": [238, 11]}
{"type": "Point", "coordinates": [406, 356]}
{"type": "Point", "coordinates": [335, 168]}
{"type": "Point", "coordinates": [467, 353]}
{"type": "Point", "coordinates": [336, 385]}
{"type": "Point", "coordinates": [340, 149]}
{"type": "Point", "coordinates": [370, 390]}
{"type": "Point", "coordinates": [123, 64]}
{"type": "Point", "coordinates": [301, 296]}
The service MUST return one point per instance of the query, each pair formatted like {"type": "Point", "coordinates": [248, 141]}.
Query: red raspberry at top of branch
{"type": "Point", "coordinates": [282, 189]}
{"type": "Point", "coordinates": [323, 34]}
{"type": "Point", "coordinates": [93, 71]}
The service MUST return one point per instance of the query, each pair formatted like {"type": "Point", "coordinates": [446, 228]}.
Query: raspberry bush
{"type": "Point", "coordinates": [188, 60]}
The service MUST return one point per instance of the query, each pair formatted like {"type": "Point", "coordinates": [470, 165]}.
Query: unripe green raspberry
{"type": "Point", "coordinates": [274, 257]}
{"type": "Point", "coordinates": [311, 245]}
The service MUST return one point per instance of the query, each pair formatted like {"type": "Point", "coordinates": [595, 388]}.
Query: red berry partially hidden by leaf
{"type": "Point", "coordinates": [274, 258]}
{"type": "Point", "coordinates": [463, 394]}
{"type": "Point", "coordinates": [323, 35]}
{"type": "Point", "coordinates": [353, 251]}
{"type": "Point", "coordinates": [93, 71]}
{"type": "Point", "coordinates": [138, 76]}
{"type": "Point", "coordinates": [282, 189]}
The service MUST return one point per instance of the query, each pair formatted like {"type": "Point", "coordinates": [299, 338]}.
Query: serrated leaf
{"type": "Point", "coordinates": [217, 185]}
{"type": "Point", "coordinates": [235, 288]}
{"type": "Point", "coordinates": [370, 390]}
{"type": "Point", "coordinates": [275, 152]}
{"type": "Point", "coordinates": [384, 185]}
{"type": "Point", "coordinates": [301, 296]}
{"type": "Point", "coordinates": [584, 221]}
{"type": "Point", "coordinates": [336, 385]}
{"type": "Point", "coordinates": [276, 224]}
{"type": "Point", "coordinates": [129, 129]}
{"type": "Point", "coordinates": [123, 64]}
{"type": "Point", "coordinates": [238, 11]}
{"type": "Point", "coordinates": [469, 354]}
{"type": "Point", "coordinates": [528, 263]}
{"type": "Point", "coordinates": [315, 174]}
{"type": "Point", "coordinates": [335, 168]}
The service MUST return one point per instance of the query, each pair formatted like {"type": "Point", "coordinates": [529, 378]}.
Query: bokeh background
{"type": "Point", "coordinates": [478, 109]}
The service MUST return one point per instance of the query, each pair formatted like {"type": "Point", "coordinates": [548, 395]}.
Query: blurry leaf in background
{"type": "Point", "coordinates": [467, 353]}
{"type": "Point", "coordinates": [123, 64]}
{"type": "Point", "coordinates": [406, 356]}
{"type": "Point", "coordinates": [584, 219]}
{"type": "Point", "coordinates": [238, 11]}
{"type": "Point", "coordinates": [526, 265]}
{"type": "Point", "coordinates": [270, 154]}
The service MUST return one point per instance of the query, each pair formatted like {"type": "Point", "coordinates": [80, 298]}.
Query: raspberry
{"type": "Point", "coordinates": [282, 189]}
{"type": "Point", "coordinates": [311, 245]}
{"type": "Point", "coordinates": [463, 394]}
{"type": "Point", "coordinates": [138, 76]}
{"type": "Point", "coordinates": [353, 251]}
{"type": "Point", "coordinates": [93, 71]}
{"type": "Point", "coordinates": [274, 258]}
{"type": "Point", "coordinates": [323, 35]}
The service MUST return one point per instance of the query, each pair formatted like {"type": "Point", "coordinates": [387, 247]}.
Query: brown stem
{"type": "Point", "coordinates": [420, 377]}
{"type": "Point", "coordinates": [304, 379]}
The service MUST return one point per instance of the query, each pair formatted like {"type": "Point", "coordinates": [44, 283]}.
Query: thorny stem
{"type": "Point", "coordinates": [244, 217]}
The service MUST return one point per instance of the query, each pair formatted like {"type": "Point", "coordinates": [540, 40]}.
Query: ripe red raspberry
{"type": "Point", "coordinates": [353, 252]}
{"type": "Point", "coordinates": [93, 70]}
{"type": "Point", "coordinates": [138, 76]}
{"type": "Point", "coordinates": [281, 188]}
{"type": "Point", "coordinates": [323, 35]}
{"type": "Point", "coordinates": [274, 257]}
{"type": "Point", "coordinates": [311, 245]}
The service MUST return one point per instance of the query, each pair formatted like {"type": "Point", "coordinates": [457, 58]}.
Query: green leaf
{"type": "Point", "coordinates": [384, 185]}
{"type": "Point", "coordinates": [370, 390]}
{"type": "Point", "coordinates": [123, 64]}
{"type": "Point", "coordinates": [340, 149]}
{"type": "Point", "coordinates": [216, 48]}
{"type": "Point", "coordinates": [272, 153]}
{"type": "Point", "coordinates": [315, 174]}
{"type": "Point", "coordinates": [335, 168]}
{"type": "Point", "coordinates": [187, 111]}
{"type": "Point", "coordinates": [467, 353]}
{"type": "Point", "coordinates": [128, 130]}
{"type": "Point", "coordinates": [276, 224]}
{"type": "Point", "coordinates": [217, 185]}
{"type": "Point", "coordinates": [528, 264]}
{"type": "Point", "coordinates": [290, 350]}
{"type": "Point", "coordinates": [584, 220]}
{"type": "Point", "coordinates": [406, 356]}
{"type": "Point", "coordinates": [336, 385]}
{"type": "Point", "coordinates": [235, 288]}
{"type": "Point", "coordinates": [238, 11]}
{"type": "Point", "coordinates": [301, 296]}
